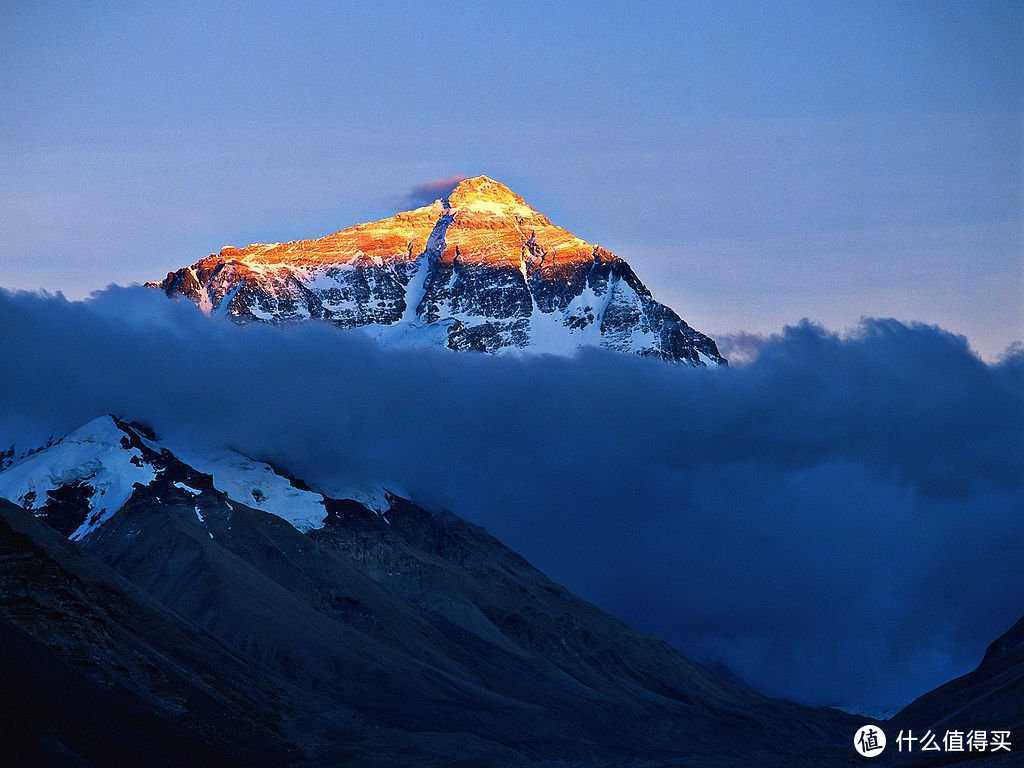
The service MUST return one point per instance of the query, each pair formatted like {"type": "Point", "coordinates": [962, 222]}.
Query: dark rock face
{"type": "Point", "coordinates": [487, 269]}
{"type": "Point", "coordinates": [66, 507]}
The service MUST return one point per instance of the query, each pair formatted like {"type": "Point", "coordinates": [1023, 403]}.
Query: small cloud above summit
{"type": "Point", "coordinates": [427, 192]}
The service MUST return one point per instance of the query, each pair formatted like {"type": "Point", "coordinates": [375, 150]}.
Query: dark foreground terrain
{"type": "Point", "coordinates": [422, 642]}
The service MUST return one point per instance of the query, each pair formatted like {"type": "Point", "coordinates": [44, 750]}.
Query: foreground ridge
{"type": "Point", "coordinates": [480, 270]}
{"type": "Point", "coordinates": [232, 609]}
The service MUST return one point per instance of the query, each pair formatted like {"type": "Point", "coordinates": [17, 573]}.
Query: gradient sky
{"type": "Point", "coordinates": [756, 165]}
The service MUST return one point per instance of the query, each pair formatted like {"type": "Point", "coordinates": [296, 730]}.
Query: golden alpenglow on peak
{"type": "Point", "coordinates": [478, 268]}
{"type": "Point", "coordinates": [491, 224]}
{"type": "Point", "coordinates": [483, 194]}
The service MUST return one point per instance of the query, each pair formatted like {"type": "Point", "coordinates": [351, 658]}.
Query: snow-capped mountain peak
{"type": "Point", "coordinates": [480, 269]}
{"type": "Point", "coordinates": [81, 481]}
{"type": "Point", "coordinates": [482, 194]}
{"type": "Point", "coordinates": [93, 469]}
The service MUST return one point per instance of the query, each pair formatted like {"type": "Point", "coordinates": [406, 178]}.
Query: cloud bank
{"type": "Point", "coordinates": [839, 520]}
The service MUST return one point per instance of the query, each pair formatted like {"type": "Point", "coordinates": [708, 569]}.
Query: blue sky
{"type": "Point", "coordinates": [756, 165]}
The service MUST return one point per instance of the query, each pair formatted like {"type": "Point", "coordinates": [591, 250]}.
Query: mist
{"type": "Point", "coordinates": [839, 519]}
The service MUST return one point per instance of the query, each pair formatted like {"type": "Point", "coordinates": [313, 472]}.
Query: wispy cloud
{"type": "Point", "coordinates": [427, 192]}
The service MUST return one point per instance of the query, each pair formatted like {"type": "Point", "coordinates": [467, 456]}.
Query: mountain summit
{"type": "Point", "coordinates": [479, 269]}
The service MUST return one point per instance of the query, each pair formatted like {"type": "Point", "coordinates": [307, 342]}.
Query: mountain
{"type": "Point", "coordinates": [78, 483]}
{"type": "Point", "coordinates": [477, 270]}
{"type": "Point", "coordinates": [234, 609]}
{"type": "Point", "coordinates": [991, 697]}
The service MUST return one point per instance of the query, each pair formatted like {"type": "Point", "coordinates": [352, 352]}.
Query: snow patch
{"type": "Point", "coordinates": [256, 484]}
{"type": "Point", "coordinates": [225, 303]}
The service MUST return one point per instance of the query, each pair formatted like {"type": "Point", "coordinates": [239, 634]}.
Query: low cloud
{"type": "Point", "coordinates": [839, 520]}
{"type": "Point", "coordinates": [429, 191]}
{"type": "Point", "coordinates": [741, 347]}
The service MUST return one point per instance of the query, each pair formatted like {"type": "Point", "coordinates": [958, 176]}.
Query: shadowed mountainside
{"type": "Point", "coordinates": [390, 637]}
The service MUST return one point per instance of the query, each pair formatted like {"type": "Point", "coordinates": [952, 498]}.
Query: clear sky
{"type": "Point", "coordinates": [755, 164]}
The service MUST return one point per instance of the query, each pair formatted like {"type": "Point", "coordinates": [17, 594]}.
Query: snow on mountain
{"type": "Point", "coordinates": [85, 478]}
{"type": "Point", "coordinates": [96, 463]}
{"type": "Point", "coordinates": [478, 270]}
{"type": "Point", "coordinates": [257, 485]}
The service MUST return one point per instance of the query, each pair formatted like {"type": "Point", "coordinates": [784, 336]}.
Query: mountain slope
{"type": "Point", "coordinates": [405, 636]}
{"type": "Point", "coordinates": [478, 270]}
{"type": "Point", "coordinates": [96, 673]}
{"type": "Point", "coordinates": [990, 697]}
